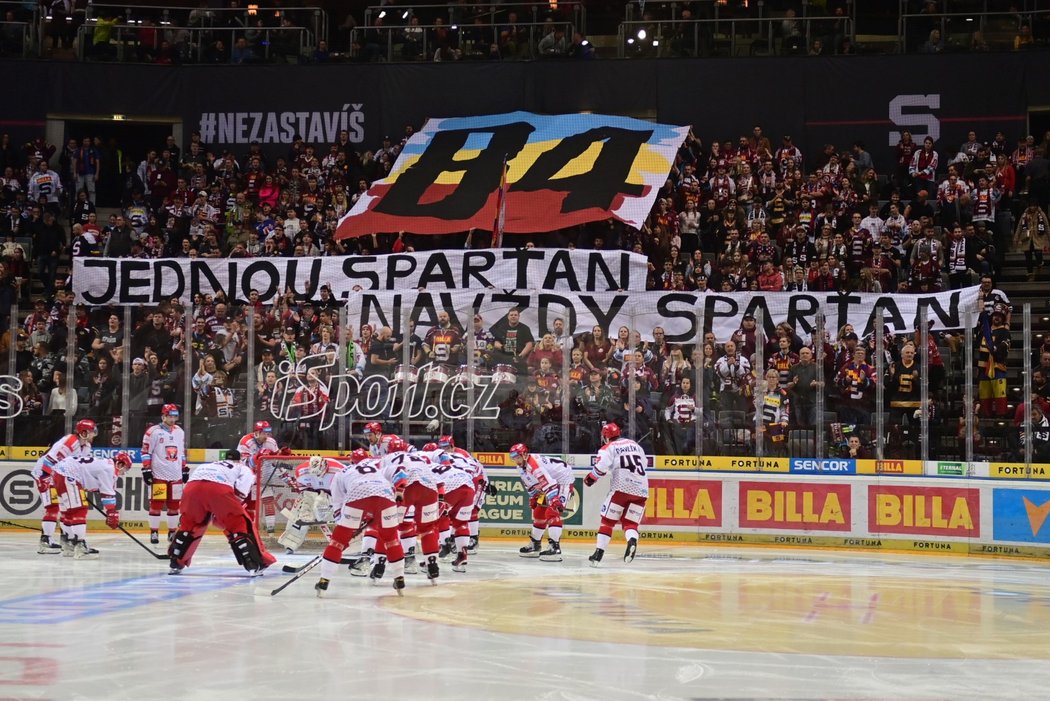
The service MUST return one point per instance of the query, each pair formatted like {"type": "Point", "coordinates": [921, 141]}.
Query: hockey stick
{"type": "Point", "coordinates": [18, 525]}
{"type": "Point", "coordinates": [138, 542]}
{"type": "Point", "coordinates": [289, 569]}
{"type": "Point", "coordinates": [305, 568]}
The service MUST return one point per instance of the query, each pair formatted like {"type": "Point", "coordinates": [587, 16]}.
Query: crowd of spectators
{"type": "Point", "coordinates": [732, 216]}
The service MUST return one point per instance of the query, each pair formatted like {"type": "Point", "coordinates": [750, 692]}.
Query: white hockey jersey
{"type": "Point", "coordinates": [361, 481]}
{"type": "Point", "coordinates": [164, 452]}
{"type": "Point", "coordinates": [228, 472]}
{"type": "Point", "coordinates": [626, 460]}
{"type": "Point", "coordinates": [453, 471]}
{"type": "Point", "coordinates": [305, 479]}
{"type": "Point", "coordinates": [379, 449]}
{"type": "Point", "coordinates": [550, 476]}
{"type": "Point", "coordinates": [415, 467]}
{"type": "Point", "coordinates": [66, 447]}
{"type": "Point", "coordinates": [249, 448]}
{"type": "Point", "coordinates": [92, 474]}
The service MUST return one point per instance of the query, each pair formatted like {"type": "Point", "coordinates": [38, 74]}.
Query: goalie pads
{"type": "Point", "coordinates": [304, 510]}
{"type": "Point", "coordinates": [246, 550]}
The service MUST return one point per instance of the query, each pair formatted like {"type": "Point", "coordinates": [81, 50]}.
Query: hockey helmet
{"type": "Point", "coordinates": [396, 445]}
{"type": "Point", "coordinates": [263, 426]}
{"type": "Point", "coordinates": [169, 410]}
{"type": "Point", "coordinates": [358, 455]}
{"type": "Point", "coordinates": [318, 465]}
{"type": "Point", "coordinates": [122, 462]}
{"type": "Point", "coordinates": [373, 427]}
{"type": "Point", "coordinates": [519, 451]}
{"type": "Point", "coordinates": [86, 426]}
{"type": "Point", "coordinates": [610, 432]}
{"type": "Point", "coordinates": [446, 443]}
{"type": "Point", "coordinates": [428, 447]}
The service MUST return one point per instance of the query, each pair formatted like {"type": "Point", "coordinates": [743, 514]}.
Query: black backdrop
{"type": "Point", "coordinates": [817, 100]}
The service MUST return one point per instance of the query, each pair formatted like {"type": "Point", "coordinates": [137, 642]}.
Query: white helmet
{"type": "Point", "coordinates": [318, 465]}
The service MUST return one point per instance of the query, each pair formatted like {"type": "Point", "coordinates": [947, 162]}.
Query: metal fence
{"type": "Point", "coordinates": [172, 44]}
{"type": "Point", "coordinates": [480, 40]}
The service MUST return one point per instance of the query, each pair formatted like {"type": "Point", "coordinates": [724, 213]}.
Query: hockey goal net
{"type": "Point", "coordinates": [276, 500]}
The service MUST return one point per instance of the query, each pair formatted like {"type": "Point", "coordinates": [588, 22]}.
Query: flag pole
{"type": "Point", "coordinates": [501, 207]}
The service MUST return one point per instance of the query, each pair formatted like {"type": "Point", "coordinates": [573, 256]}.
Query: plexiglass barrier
{"type": "Point", "coordinates": [491, 377]}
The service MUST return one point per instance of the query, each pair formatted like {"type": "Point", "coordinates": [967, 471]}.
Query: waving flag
{"type": "Point", "coordinates": [559, 171]}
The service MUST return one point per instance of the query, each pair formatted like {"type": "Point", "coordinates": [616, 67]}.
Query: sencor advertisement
{"type": "Point", "coordinates": [1020, 515]}
{"type": "Point", "coordinates": [826, 466]}
{"type": "Point", "coordinates": [696, 503]}
{"type": "Point", "coordinates": [924, 511]}
{"type": "Point", "coordinates": [807, 507]}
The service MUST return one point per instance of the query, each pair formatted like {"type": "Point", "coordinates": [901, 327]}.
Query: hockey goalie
{"type": "Point", "coordinates": [312, 483]}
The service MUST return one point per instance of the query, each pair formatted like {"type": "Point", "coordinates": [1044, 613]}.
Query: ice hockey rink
{"type": "Point", "coordinates": [678, 623]}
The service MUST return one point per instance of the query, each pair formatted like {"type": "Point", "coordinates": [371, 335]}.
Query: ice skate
{"type": "Point", "coordinates": [154, 537]}
{"type": "Point", "coordinates": [530, 550]}
{"type": "Point", "coordinates": [632, 546]}
{"type": "Point", "coordinates": [433, 570]}
{"type": "Point", "coordinates": [377, 571]}
{"type": "Point", "coordinates": [399, 585]}
{"type": "Point", "coordinates": [67, 546]}
{"type": "Point", "coordinates": [472, 548]}
{"type": "Point", "coordinates": [46, 547]}
{"type": "Point", "coordinates": [321, 587]}
{"type": "Point", "coordinates": [596, 558]}
{"type": "Point", "coordinates": [460, 563]}
{"type": "Point", "coordinates": [410, 562]}
{"type": "Point", "coordinates": [81, 551]}
{"type": "Point", "coordinates": [552, 553]}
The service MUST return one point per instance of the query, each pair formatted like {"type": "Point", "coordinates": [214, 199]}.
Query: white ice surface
{"type": "Point", "coordinates": [120, 628]}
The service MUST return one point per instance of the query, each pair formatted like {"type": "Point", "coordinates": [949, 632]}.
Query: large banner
{"type": "Point", "coordinates": [151, 281]}
{"type": "Point", "coordinates": [562, 171]}
{"type": "Point", "coordinates": [676, 313]}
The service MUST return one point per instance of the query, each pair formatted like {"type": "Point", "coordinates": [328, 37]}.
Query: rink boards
{"type": "Point", "coordinates": [776, 503]}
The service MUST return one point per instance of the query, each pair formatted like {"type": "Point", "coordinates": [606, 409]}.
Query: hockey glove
{"type": "Point", "coordinates": [534, 501]}
{"type": "Point", "coordinates": [491, 489]}
{"type": "Point", "coordinates": [185, 474]}
{"type": "Point", "coordinates": [43, 484]}
{"type": "Point", "coordinates": [557, 504]}
{"type": "Point", "coordinates": [147, 476]}
{"type": "Point", "coordinates": [589, 480]}
{"type": "Point", "coordinates": [113, 519]}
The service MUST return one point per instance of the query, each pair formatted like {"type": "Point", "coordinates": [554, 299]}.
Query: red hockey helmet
{"type": "Point", "coordinates": [519, 450]}
{"type": "Point", "coordinates": [169, 410]}
{"type": "Point", "coordinates": [446, 443]}
{"type": "Point", "coordinates": [263, 426]}
{"type": "Point", "coordinates": [396, 445]}
{"type": "Point", "coordinates": [610, 431]}
{"type": "Point", "coordinates": [86, 426]}
{"type": "Point", "coordinates": [427, 447]}
{"type": "Point", "coordinates": [122, 462]}
{"type": "Point", "coordinates": [373, 427]}
{"type": "Point", "coordinates": [358, 455]}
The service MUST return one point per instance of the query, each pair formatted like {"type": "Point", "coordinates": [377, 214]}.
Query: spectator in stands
{"type": "Point", "coordinates": [1033, 237]}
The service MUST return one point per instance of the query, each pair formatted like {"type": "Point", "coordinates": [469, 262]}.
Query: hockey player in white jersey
{"type": "Point", "coordinates": [455, 476]}
{"type": "Point", "coordinates": [313, 482]}
{"type": "Point", "coordinates": [164, 470]}
{"type": "Point", "coordinates": [362, 494]}
{"type": "Point", "coordinates": [549, 484]}
{"type": "Point", "coordinates": [75, 444]}
{"type": "Point", "coordinates": [417, 491]}
{"type": "Point", "coordinates": [625, 505]}
{"type": "Point", "coordinates": [482, 487]}
{"type": "Point", "coordinates": [76, 476]}
{"type": "Point", "coordinates": [378, 442]}
{"type": "Point", "coordinates": [252, 448]}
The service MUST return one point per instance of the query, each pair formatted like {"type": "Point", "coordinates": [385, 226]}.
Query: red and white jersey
{"type": "Point", "coordinates": [544, 474]}
{"type": "Point", "coordinates": [453, 472]}
{"type": "Point", "coordinates": [475, 468]}
{"type": "Point", "coordinates": [361, 481]}
{"type": "Point", "coordinates": [305, 479]}
{"type": "Point", "coordinates": [91, 474]}
{"type": "Point", "coordinates": [164, 452]}
{"type": "Point", "coordinates": [229, 472]}
{"type": "Point", "coordinates": [379, 449]}
{"type": "Point", "coordinates": [66, 447]}
{"type": "Point", "coordinates": [415, 467]}
{"type": "Point", "coordinates": [626, 460]}
{"type": "Point", "coordinates": [249, 448]}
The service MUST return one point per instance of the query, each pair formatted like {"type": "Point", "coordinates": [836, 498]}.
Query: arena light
{"type": "Point", "coordinates": [641, 35]}
{"type": "Point", "coordinates": [406, 13]}
{"type": "Point", "coordinates": [656, 42]}
{"type": "Point", "coordinates": [585, 43]}
{"type": "Point", "coordinates": [382, 14]}
{"type": "Point", "coordinates": [253, 10]}
{"type": "Point", "coordinates": [630, 40]}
